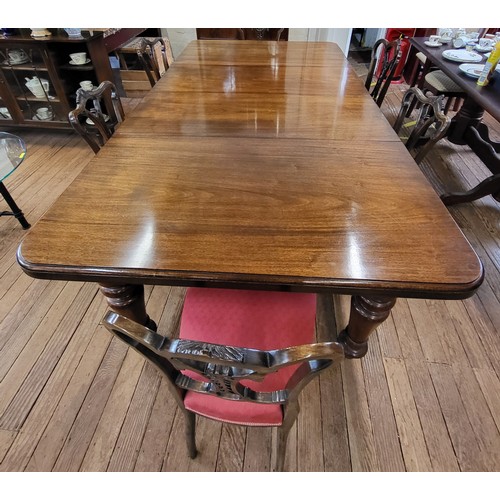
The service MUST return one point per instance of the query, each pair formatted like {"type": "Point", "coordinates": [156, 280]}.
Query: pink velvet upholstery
{"type": "Point", "coordinates": [245, 318]}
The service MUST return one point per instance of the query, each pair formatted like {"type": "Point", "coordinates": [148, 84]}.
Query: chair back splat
{"type": "Point", "coordinates": [384, 60]}
{"type": "Point", "coordinates": [97, 114]}
{"type": "Point", "coordinates": [152, 54]}
{"type": "Point", "coordinates": [242, 357]}
{"type": "Point", "coordinates": [431, 125]}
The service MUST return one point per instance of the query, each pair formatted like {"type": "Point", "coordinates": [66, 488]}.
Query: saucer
{"type": "Point", "coordinates": [429, 44]}
{"type": "Point", "coordinates": [73, 63]}
{"type": "Point", "coordinates": [482, 49]}
{"type": "Point", "coordinates": [444, 39]}
{"type": "Point", "coordinates": [88, 121]}
{"type": "Point", "coordinates": [462, 55]}
{"type": "Point", "coordinates": [472, 70]}
{"type": "Point", "coordinates": [14, 63]}
{"type": "Point", "coordinates": [49, 118]}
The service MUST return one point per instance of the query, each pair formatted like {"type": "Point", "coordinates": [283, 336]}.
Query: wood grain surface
{"type": "Point", "coordinates": [256, 164]}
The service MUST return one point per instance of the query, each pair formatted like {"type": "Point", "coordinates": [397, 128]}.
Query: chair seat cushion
{"type": "Point", "coordinates": [441, 82]}
{"type": "Point", "coordinates": [253, 319]}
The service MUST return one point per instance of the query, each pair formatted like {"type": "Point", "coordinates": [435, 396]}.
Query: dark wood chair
{"type": "Point", "coordinates": [152, 55]}
{"type": "Point", "coordinates": [98, 112]}
{"type": "Point", "coordinates": [384, 60]}
{"type": "Point", "coordinates": [242, 357]}
{"type": "Point", "coordinates": [431, 125]}
{"type": "Point", "coordinates": [436, 82]}
{"type": "Point", "coordinates": [143, 61]}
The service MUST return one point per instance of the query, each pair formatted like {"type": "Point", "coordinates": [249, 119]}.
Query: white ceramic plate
{"type": "Point", "coordinates": [429, 44]}
{"type": "Point", "coordinates": [472, 70]}
{"type": "Point", "coordinates": [462, 55]}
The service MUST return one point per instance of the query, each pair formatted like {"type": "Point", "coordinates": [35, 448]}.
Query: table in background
{"type": "Point", "coordinates": [466, 126]}
{"type": "Point", "coordinates": [261, 165]}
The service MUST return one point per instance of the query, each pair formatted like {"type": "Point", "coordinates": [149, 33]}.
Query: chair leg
{"type": "Point", "coordinates": [457, 104]}
{"type": "Point", "coordinates": [281, 449]}
{"type": "Point", "coordinates": [447, 107]}
{"type": "Point", "coordinates": [291, 413]}
{"type": "Point", "coordinates": [190, 425]}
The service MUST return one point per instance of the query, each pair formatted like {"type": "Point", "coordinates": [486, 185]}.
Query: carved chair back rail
{"type": "Point", "coordinates": [97, 114]}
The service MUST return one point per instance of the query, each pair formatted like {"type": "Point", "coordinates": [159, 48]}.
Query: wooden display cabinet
{"type": "Point", "coordinates": [49, 59]}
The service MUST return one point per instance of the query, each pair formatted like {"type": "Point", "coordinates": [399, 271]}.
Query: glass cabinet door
{"type": "Point", "coordinates": [28, 75]}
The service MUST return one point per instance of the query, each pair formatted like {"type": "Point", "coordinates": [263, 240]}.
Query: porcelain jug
{"type": "Point", "coordinates": [38, 86]}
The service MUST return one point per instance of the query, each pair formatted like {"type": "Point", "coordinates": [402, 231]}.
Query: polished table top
{"type": "Point", "coordinates": [256, 164]}
{"type": "Point", "coordinates": [487, 97]}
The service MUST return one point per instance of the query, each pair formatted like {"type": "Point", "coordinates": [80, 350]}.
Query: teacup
{"type": "Point", "coordinates": [470, 46]}
{"type": "Point", "coordinates": [485, 43]}
{"type": "Point", "coordinates": [73, 32]}
{"type": "Point", "coordinates": [17, 55]}
{"type": "Point", "coordinates": [44, 113]}
{"type": "Point", "coordinates": [434, 39]}
{"type": "Point", "coordinates": [446, 32]}
{"type": "Point", "coordinates": [39, 32]}
{"type": "Point", "coordinates": [460, 42]}
{"type": "Point", "coordinates": [86, 85]}
{"type": "Point", "coordinates": [79, 57]}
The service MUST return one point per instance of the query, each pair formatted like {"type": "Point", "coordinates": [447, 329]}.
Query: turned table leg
{"type": "Point", "coordinates": [128, 300]}
{"type": "Point", "coordinates": [366, 314]}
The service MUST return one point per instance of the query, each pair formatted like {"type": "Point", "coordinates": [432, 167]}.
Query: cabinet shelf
{"type": "Point", "coordinates": [30, 98]}
{"type": "Point", "coordinates": [23, 67]}
{"type": "Point", "coordinates": [77, 67]}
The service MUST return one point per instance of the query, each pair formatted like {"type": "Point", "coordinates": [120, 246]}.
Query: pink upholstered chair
{"type": "Point", "coordinates": [242, 357]}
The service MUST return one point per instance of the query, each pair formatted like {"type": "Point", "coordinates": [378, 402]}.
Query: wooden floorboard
{"type": "Point", "coordinates": [72, 398]}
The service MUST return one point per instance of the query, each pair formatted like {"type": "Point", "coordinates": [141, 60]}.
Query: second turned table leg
{"type": "Point", "coordinates": [128, 300]}
{"type": "Point", "coordinates": [366, 314]}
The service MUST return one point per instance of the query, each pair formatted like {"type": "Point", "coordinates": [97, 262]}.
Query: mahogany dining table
{"type": "Point", "coordinates": [258, 165]}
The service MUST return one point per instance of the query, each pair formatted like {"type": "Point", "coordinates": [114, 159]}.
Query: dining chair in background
{"type": "Point", "coordinates": [152, 55]}
{"type": "Point", "coordinates": [431, 125]}
{"type": "Point", "coordinates": [242, 357]}
{"type": "Point", "coordinates": [438, 83]}
{"type": "Point", "coordinates": [383, 63]}
{"type": "Point", "coordinates": [143, 61]}
{"type": "Point", "coordinates": [97, 114]}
